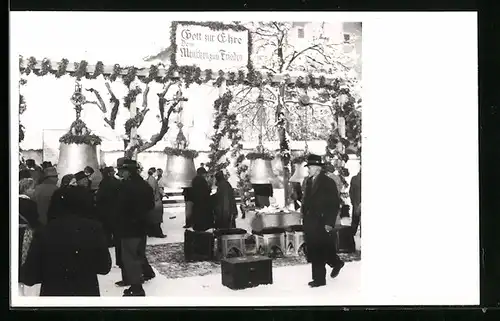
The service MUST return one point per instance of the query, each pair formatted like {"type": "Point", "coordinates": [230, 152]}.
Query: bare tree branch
{"type": "Point", "coordinates": [297, 54]}
{"type": "Point", "coordinates": [163, 130]}
{"type": "Point", "coordinates": [270, 69]}
{"type": "Point", "coordinates": [114, 109]}
{"type": "Point", "coordinates": [101, 104]}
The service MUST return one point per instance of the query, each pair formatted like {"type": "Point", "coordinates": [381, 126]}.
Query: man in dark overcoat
{"type": "Point", "coordinates": [106, 204]}
{"type": "Point", "coordinates": [225, 209]}
{"type": "Point", "coordinates": [320, 208]}
{"type": "Point", "coordinates": [202, 216]}
{"type": "Point", "coordinates": [135, 199]}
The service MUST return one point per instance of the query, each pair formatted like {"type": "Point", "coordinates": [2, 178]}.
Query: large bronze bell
{"type": "Point", "coordinates": [261, 172]}
{"type": "Point", "coordinates": [75, 157]}
{"type": "Point", "coordinates": [180, 172]}
{"type": "Point", "coordinates": [300, 173]}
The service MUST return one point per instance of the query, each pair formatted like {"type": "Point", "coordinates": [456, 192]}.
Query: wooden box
{"type": "Point", "coordinates": [198, 246]}
{"type": "Point", "coordinates": [245, 272]}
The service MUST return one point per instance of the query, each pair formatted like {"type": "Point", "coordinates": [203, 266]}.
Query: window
{"type": "Point", "coordinates": [347, 37]}
{"type": "Point", "coordinates": [300, 33]}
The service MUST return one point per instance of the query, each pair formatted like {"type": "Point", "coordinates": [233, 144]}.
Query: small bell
{"type": "Point", "coordinates": [261, 172]}
{"type": "Point", "coordinates": [75, 157]}
{"type": "Point", "coordinates": [180, 171]}
{"type": "Point", "coordinates": [300, 173]}
{"type": "Point", "coordinates": [175, 75]}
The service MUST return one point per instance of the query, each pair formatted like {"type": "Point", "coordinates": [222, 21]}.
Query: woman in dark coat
{"type": "Point", "coordinates": [67, 254]}
{"type": "Point", "coordinates": [202, 216]}
{"type": "Point", "coordinates": [225, 209]}
{"type": "Point", "coordinates": [28, 213]}
{"type": "Point", "coordinates": [320, 208]}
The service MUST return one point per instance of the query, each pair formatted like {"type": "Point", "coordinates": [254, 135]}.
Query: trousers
{"type": "Point", "coordinates": [133, 260]}
{"type": "Point", "coordinates": [322, 254]}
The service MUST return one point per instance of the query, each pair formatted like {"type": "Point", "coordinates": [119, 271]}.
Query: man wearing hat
{"type": "Point", "coordinates": [82, 186]}
{"type": "Point", "coordinates": [106, 205]}
{"type": "Point", "coordinates": [135, 199]}
{"type": "Point", "coordinates": [35, 170]}
{"type": "Point", "coordinates": [44, 192]}
{"type": "Point", "coordinates": [202, 215]}
{"type": "Point", "coordinates": [319, 209]}
{"type": "Point", "coordinates": [82, 179]}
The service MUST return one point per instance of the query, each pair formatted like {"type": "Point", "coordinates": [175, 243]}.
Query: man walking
{"type": "Point", "coordinates": [320, 208]}
{"type": "Point", "coordinates": [135, 200]}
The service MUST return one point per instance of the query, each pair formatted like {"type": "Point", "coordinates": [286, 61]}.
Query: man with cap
{"type": "Point", "coordinates": [44, 192]}
{"type": "Point", "coordinates": [319, 209]}
{"type": "Point", "coordinates": [36, 171]}
{"type": "Point", "coordinates": [106, 205]}
{"type": "Point", "coordinates": [135, 199]}
{"type": "Point", "coordinates": [202, 215]}
{"type": "Point", "coordinates": [82, 187]}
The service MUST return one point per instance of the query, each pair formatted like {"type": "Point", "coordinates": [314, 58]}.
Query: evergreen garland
{"type": "Point", "coordinates": [79, 134]}
{"type": "Point", "coordinates": [131, 96]}
{"type": "Point", "coordinates": [265, 155]}
{"type": "Point", "coordinates": [61, 70]}
{"type": "Point", "coordinates": [191, 74]}
{"type": "Point", "coordinates": [22, 109]}
{"type": "Point", "coordinates": [187, 153]}
{"type": "Point", "coordinates": [336, 146]}
{"type": "Point", "coordinates": [221, 128]}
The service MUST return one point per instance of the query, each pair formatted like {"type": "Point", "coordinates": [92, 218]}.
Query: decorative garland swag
{"type": "Point", "coordinates": [190, 74]}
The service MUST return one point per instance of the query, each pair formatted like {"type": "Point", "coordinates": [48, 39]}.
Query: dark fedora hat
{"type": "Point", "coordinates": [313, 159]}
{"type": "Point", "coordinates": [128, 164]}
{"type": "Point", "coordinates": [80, 175]}
{"type": "Point", "coordinates": [201, 171]}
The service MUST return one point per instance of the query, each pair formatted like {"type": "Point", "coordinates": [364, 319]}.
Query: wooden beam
{"type": "Point", "coordinates": [108, 70]}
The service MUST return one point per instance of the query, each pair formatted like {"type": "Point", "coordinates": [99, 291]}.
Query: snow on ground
{"type": "Point", "coordinates": [290, 281]}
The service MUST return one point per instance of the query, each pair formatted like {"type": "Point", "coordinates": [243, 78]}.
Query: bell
{"type": "Point", "coordinates": [261, 172]}
{"type": "Point", "coordinates": [300, 173]}
{"type": "Point", "coordinates": [180, 172]}
{"type": "Point", "coordinates": [75, 157]}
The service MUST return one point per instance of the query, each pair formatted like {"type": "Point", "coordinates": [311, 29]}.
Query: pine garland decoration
{"type": "Point", "coordinates": [221, 129]}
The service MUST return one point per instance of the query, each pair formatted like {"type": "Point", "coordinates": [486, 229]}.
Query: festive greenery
{"type": "Point", "coordinates": [187, 153]}
{"type": "Point", "coordinates": [80, 134]}
{"type": "Point", "coordinates": [221, 128]}
{"type": "Point", "coordinates": [131, 96]}
{"type": "Point", "coordinates": [260, 155]}
{"type": "Point", "coordinates": [191, 74]}
{"type": "Point", "coordinates": [22, 109]}
{"type": "Point", "coordinates": [300, 159]}
{"type": "Point", "coordinates": [337, 146]}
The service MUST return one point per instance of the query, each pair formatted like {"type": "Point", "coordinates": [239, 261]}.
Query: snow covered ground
{"type": "Point", "coordinates": [288, 282]}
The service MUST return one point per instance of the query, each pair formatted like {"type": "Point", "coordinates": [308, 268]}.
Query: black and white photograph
{"type": "Point", "coordinates": [199, 161]}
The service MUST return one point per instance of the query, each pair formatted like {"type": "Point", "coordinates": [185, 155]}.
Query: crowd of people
{"type": "Point", "coordinates": [66, 229]}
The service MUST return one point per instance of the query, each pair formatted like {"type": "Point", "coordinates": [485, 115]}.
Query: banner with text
{"type": "Point", "coordinates": [211, 49]}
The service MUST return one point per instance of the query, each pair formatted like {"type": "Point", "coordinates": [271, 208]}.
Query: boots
{"type": "Point", "coordinates": [134, 290]}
